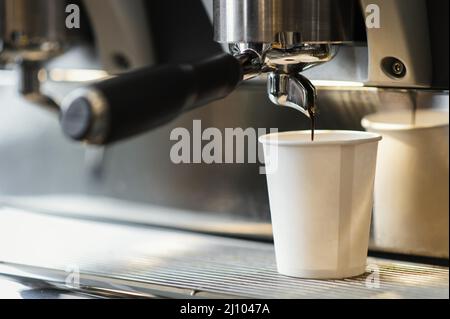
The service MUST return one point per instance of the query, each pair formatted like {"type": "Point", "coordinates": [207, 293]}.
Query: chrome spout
{"type": "Point", "coordinates": [292, 90]}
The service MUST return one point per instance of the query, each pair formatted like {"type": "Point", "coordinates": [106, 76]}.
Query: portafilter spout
{"type": "Point", "coordinates": [286, 86]}
{"type": "Point", "coordinates": [291, 36]}
{"type": "Point", "coordinates": [292, 90]}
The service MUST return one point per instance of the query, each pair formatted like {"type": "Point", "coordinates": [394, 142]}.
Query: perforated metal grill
{"type": "Point", "coordinates": [143, 260]}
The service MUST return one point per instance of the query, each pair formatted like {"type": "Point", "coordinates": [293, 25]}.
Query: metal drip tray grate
{"type": "Point", "coordinates": [151, 261]}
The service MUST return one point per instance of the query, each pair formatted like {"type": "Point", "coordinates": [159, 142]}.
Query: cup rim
{"type": "Point", "coordinates": [373, 121]}
{"type": "Point", "coordinates": [365, 137]}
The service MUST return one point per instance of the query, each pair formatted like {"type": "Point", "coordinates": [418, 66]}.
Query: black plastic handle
{"type": "Point", "coordinates": [141, 100]}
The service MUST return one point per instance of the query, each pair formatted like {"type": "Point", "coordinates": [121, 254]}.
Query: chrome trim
{"type": "Point", "coordinates": [294, 91]}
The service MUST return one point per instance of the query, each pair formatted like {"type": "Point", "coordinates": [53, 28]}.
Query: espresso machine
{"type": "Point", "coordinates": [108, 93]}
{"type": "Point", "coordinates": [280, 40]}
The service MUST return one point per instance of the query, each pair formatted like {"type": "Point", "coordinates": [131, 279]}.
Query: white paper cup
{"type": "Point", "coordinates": [411, 187]}
{"type": "Point", "coordinates": [321, 201]}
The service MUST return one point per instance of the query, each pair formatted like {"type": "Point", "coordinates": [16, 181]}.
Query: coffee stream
{"type": "Point", "coordinates": [414, 112]}
{"type": "Point", "coordinates": [312, 116]}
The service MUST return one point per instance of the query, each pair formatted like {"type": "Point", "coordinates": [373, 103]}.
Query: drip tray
{"type": "Point", "coordinates": [119, 260]}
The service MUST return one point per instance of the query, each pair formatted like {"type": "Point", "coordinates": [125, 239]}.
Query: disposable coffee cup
{"type": "Point", "coordinates": [321, 199]}
{"type": "Point", "coordinates": [411, 188]}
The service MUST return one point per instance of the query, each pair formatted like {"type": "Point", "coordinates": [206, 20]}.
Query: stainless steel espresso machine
{"type": "Point", "coordinates": [115, 78]}
{"type": "Point", "coordinates": [281, 39]}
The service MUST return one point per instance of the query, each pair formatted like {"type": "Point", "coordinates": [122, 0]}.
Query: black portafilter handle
{"type": "Point", "coordinates": [138, 101]}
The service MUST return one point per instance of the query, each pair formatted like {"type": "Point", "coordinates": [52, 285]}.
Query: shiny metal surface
{"type": "Point", "coordinates": [290, 36]}
{"type": "Point", "coordinates": [30, 74]}
{"type": "Point", "coordinates": [31, 33]}
{"type": "Point", "coordinates": [285, 85]}
{"type": "Point", "coordinates": [299, 58]}
{"type": "Point", "coordinates": [315, 21]}
{"type": "Point", "coordinates": [251, 62]}
{"type": "Point", "coordinates": [13, 287]}
{"type": "Point", "coordinates": [37, 160]}
{"type": "Point", "coordinates": [141, 171]}
{"type": "Point", "coordinates": [173, 264]}
{"type": "Point", "coordinates": [294, 91]}
{"type": "Point", "coordinates": [33, 29]}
